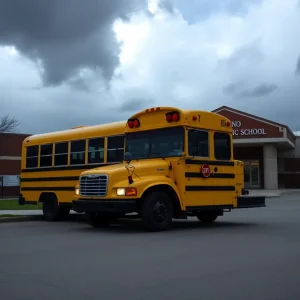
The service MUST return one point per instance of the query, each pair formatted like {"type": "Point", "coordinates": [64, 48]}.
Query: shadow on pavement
{"type": "Point", "coordinates": [135, 226]}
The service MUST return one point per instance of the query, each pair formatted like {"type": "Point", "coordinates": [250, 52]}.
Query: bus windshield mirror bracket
{"type": "Point", "coordinates": [130, 168]}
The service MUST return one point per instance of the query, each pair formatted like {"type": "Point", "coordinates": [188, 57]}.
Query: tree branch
{"type": "Point", "coordinates": [8, 124]}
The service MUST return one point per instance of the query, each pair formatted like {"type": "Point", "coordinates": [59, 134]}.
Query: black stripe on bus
{"type": "Point", "coordinates": [67, 168]}
{"type": "Point", "coordinates": [62, 178]}
{"type": "Point", "coordinates": [209, 162]}
{"type": "Point", "coordinates": [49, 188]}
{"type": "Point", "coordinates": [213, 175]}
{"type": "Point", "coordinates": [215, 188]}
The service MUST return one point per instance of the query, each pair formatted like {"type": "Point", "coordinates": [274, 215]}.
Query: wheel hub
{"type": "Point", "coordinates": [160, 212]}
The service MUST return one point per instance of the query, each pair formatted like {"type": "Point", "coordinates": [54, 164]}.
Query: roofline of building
{"type": "Point", "coordinates": [15, 134]}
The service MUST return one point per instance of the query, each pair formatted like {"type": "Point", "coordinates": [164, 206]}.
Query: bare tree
{"type": "Point", "coordinates": [8, 124]}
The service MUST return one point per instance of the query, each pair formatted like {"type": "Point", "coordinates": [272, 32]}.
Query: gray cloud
{"type": "Point", "coordinates": [233, 88]}
{"type": "Point", "coordinates": [239, 89]}
{"type": "Point", "coordinates": [65, 36]}
{"type": "Point", "coordinates": [135, 104]}
{"type": "Point", "coordinates": [167, 5]}
{"type": "Point", "coordinates": [250, 53]}
{"type": "Point", "coordinates": [260, 90]}
{"type": "Point", "coordinates": [197, 10]}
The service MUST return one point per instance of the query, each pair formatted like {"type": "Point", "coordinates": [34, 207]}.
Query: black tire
{"type": "Point", "coordinates": [98, 220]}
{"type": "Point", "coordinates": [157, 211]}
{"type": "Point", "coordinates": [207, 217]}
{"type": "Point", "coordinates": [50, 208]}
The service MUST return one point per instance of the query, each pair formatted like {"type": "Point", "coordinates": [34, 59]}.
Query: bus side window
{"type": "Point", "coordinates": [46, 152]}
{"type": "Point", "coordinates": [77, 152]}
{"type": "Point", "coordinates": [222, 146]}
{"type": "Point", "coordinates": [115, 148]}
{"type": "Point", "coordinates": [198, 143]}
{"type": "Point", "coordinates": [96, 151]}
{"type": "Point", "coordinates": [32, 156]}
{"type": "Point", "coordinates": [61, 154]}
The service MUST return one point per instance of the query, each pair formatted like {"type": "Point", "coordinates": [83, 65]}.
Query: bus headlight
{"type": "Point", "coordinates": [77, 191]}
{"type": "Point", "coordinates": [126, 191]}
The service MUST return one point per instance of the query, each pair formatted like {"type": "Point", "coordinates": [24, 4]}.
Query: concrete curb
{"type": "Point", "coordinates": [20, 219]}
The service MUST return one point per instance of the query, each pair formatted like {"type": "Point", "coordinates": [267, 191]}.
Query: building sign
{"type": "Point", "coordinates": [9, 180]}
{"type": "Point", "coordinates": [238, 130]}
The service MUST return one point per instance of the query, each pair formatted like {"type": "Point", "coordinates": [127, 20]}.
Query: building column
{"type": "Point", "coordinates": [270, 167]}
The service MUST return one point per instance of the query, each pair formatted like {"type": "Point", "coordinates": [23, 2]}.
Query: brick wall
{"type": "Point", "coordinates": [10, 160]}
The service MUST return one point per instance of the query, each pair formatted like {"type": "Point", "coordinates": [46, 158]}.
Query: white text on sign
{"type": "Point", "coordinates": [237, 131]}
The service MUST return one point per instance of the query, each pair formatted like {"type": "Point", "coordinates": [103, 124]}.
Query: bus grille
{"type": "Point", "coordinates": [93, 185]}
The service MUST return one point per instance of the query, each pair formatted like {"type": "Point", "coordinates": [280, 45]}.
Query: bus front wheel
{"type": "Point", "coordinates": [157, 211]}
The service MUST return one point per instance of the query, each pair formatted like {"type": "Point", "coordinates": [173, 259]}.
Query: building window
{"type": "Point", "coordinates": [46, 155]}
{"type": "Point", "coordinates": [61, 154]}
{"type": "Point", "coordinates": [198, 143]}
{"type": "Point", "coordinates": [115, 148]}
{"type": "Point", "coordinates": [96, 151]}
{"type": "Point", "coordinates": [77, 152]}
{"type": "Point", "coordinates": [222, 146]}
{"type": "Point", "coordinates": [32, 156]}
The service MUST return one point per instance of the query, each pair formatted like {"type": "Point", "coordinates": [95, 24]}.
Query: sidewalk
{"type": "Point", "coordinates": [272, 193]}
{"type": "Point", "coordinates": [35, 212]}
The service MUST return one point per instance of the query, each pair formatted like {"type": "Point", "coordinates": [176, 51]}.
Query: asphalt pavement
{"type": "Point", "coordinates": [246, 254]}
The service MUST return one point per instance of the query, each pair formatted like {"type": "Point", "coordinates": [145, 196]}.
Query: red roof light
{"type": "Point", "coordinates": [130, 124]}
{"type": "Point", "coordinates": [172, 116]}
{"type": "Point", "coordinates": [169, 117]}
{"type": "Point", "coordinates": [136, 123]}
{"type": "Point", "coordinates": [133, 123]}
{"type": "Point", "coordinates": [175, 117]}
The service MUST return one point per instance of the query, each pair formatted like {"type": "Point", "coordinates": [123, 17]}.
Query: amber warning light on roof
{"type": "Point", "coordinates": [225, 123]}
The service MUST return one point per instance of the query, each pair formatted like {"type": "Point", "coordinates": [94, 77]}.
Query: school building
{"type": "Point", "coordinates": [270, 150]}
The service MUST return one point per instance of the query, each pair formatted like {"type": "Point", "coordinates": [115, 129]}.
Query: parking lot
{"type": "Point", "coordinates": [246, 254]}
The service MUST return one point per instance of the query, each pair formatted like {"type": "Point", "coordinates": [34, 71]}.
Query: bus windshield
{"type": "Point", "coordinates": [166, 142]}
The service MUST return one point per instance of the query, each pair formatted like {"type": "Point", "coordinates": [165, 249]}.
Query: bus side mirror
{"type": "Point", "coordinates": [128, 157]}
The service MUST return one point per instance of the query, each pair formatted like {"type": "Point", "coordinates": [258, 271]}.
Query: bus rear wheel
{"type": "Point", "coordinates": [50, 208]}
{"type": "Point", "coordinates": [157, 211]}
{"type": "Point", "coordinates": [207, 217]}
{"type": "Point", "coordinates": [99, 220]}
{"type": "Point", "coordinates": [52, 211]}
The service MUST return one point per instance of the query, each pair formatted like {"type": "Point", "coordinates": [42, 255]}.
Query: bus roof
{"type": "Point", "coordinates": [78, 132]}
{"type": "Point", "coordinates": [154, 118]}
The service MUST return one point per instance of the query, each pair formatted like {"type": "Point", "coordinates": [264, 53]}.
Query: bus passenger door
{"type": "Point", "coordinates": [198, 186]}
{"type": "Point", "coordinates": [224, 171]}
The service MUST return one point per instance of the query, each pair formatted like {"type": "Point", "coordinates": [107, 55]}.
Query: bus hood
{"type": "Point", "coordinates": [141, 168]}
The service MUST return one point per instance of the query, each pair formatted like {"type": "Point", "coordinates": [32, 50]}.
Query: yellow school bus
{"type": "Point", "coordinates": [177, 163]}
{"type": "Point", "coordinates": [52, 162]}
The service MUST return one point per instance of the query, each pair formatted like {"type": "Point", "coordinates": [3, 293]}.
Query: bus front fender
{"type": "Point", "coordinates": [152, 184]}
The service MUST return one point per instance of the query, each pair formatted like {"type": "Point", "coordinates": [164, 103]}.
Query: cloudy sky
{"type": "Point", "coordinates": [71, 62]}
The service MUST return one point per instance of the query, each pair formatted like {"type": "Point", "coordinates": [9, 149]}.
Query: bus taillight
{"type": "Point", "coordinates": [172, 116]}
{"type": "Point", "coordinates": [133, 123]}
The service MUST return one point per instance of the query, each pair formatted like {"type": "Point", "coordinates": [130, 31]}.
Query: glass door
{"type": "Point", "coordinates": [247, 171]}
{"type": "Point", "coordinates": [251, 174]}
